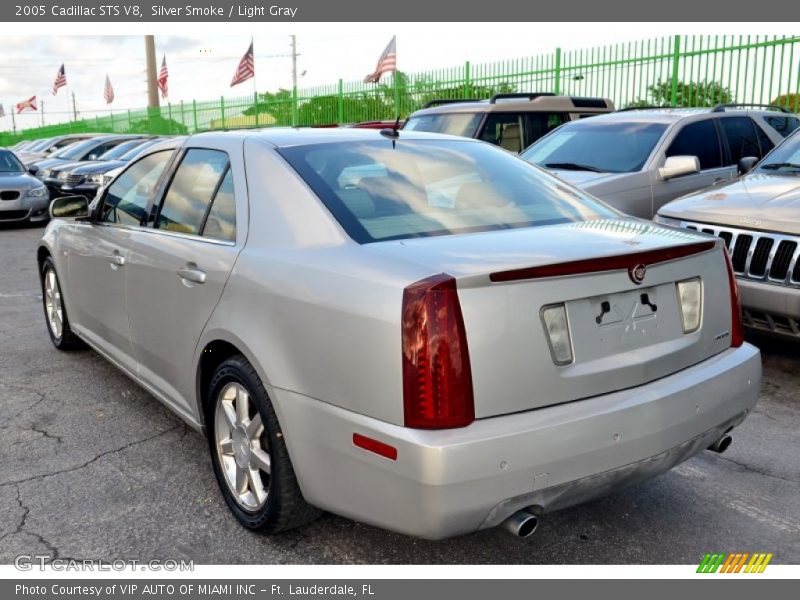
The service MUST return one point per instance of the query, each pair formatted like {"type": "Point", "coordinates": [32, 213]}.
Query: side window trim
{"type": "Point", "coordinates": [148, 209]}
{"type": "Point", "coordinates": [222, 177]}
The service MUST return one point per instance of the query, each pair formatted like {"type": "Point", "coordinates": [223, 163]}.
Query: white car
{"type": "Point", "coordinates": [421, 332]}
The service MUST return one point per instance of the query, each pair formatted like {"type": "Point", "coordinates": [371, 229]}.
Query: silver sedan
{"type": "Point", "coordinates": [415, 331]}
{"type": "Point", "coordinates": [22, 196]}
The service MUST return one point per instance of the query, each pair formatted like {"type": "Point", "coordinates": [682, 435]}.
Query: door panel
{"type": "Point", "coordinates": [174, 283]}
{"type": "Point", "coordinates": [178, 269]}
{"type": "Point", "coordinates": [97, 256]}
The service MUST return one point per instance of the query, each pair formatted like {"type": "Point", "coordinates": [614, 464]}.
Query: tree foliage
{"type": "Point", "coordinates": [703, 93]}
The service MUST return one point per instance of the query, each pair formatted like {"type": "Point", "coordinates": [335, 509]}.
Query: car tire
{"type": "Point", "coordinates": [55, 312]}
{"type": "Point", "coordinates": [244, 436]}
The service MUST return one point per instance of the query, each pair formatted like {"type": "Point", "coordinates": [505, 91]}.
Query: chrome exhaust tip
{"type": "Point", "coordinates": [721, 444]}
{"type": "Point", "coordinates": [521, 524]}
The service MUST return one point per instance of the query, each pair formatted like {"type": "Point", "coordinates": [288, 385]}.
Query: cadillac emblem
{"type": "Point", "coordinates": [637, 273]}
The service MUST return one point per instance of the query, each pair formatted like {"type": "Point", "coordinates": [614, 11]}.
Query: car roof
{"type": "Point", "coordinates": [282, 137]}
{"type": "Point", "coordinates": [672, 115]}
{"type": "Point", "coordinates": [519, 102]}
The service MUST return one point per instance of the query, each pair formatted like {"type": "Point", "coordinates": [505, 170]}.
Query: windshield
{"type": "Point", "coordinates": [461, 124]}
{"type": "Point", "coordinates": [10, 163]}
{"type": "Point", "coordinates": [385, 190]}
{"type": "Point", "coordinates": [79, 150]}
{"type": "Point", "coordinates": [783, 159]}
{"type": "Point", "coordinates": [120, 149]}
{"type": "Point", "coordinates": [591, 145]}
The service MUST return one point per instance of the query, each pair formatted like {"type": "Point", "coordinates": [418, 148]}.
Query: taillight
{"type": "Point", "coordinates": [437, 378]}
{"type": "Point", "coordinates": [737, 331]}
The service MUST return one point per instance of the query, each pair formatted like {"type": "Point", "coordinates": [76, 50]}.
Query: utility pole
{"type": "Point", "coordinates": [294, 81]}
{"type": "Point", "coordinates": [294, 62]}
{"type": "Point", "coordinates": [152, 88]}
{"type": "Point", "coordinates": [42, 112]}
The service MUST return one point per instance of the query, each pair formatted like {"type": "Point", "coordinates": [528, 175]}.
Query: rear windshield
{"type": "Point", "coordinates": [597, 145]}
{"type": "Point", "coordinates": [380, 190]}
{"type": "Point", "coordinates": [461, 124]}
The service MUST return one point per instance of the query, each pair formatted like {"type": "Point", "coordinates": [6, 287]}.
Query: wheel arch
{"type": "Point", "coordinates": [212, 351]}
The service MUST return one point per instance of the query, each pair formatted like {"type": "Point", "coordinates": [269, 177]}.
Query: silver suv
{"type": "Point", "coordinates": [509, 120]}
{"type": "Point", "coordinates": [638, 160]}
{"type": "Point", "coordinates": [758, 217]}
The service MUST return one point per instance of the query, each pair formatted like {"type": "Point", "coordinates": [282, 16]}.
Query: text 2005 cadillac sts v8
{"type": "Point", "coordinates": [421, 332]}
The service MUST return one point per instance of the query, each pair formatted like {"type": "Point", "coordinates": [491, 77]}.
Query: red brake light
{"type": "Point", "coordinates": [437, 378]}
{"type": "Point", "coordinates": [737, 330]}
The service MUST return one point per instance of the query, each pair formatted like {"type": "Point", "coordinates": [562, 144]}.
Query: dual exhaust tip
{"type": "Point", "coordinates": [522, 523]}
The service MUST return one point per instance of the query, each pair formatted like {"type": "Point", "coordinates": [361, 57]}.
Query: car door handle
{"type": "Point", "coordinates": [116, 260]}
{"type": "Point", "coordinates": [193, 275]}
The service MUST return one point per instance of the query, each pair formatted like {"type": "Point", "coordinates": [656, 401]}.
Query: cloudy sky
{"type": "Point", "coordinates": [201, 66]}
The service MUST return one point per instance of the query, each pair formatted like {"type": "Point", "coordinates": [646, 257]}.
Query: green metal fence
{"type": "Point", "coordinates": [668, 71]}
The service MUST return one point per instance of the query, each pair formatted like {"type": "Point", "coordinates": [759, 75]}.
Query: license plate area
{"type": "Point", "coordinates": [611, 323]}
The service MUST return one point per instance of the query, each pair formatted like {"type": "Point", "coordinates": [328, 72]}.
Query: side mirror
{"type": "Point", "coordinates": [746, 164]}
{"type": "Point", "coordinates": [69, 207]}
{"type": "Point", "coordinates": [32, 170]}
{"type": "Point", "coordinates": [92, 156]}
{"type": "Point", "coordinates": [677, 166]}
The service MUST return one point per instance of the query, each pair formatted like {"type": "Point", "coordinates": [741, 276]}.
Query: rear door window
{"type": "Point", "coordinates": [504, 130]}
{"type": "Point", "coordinates": [196, 182]}
{"type": "Point", "coordinates": [539, 124]}
{"type": "Point", "coordinates": [742, 138]}
{"type": "Point", "coordinates": [698, 139]}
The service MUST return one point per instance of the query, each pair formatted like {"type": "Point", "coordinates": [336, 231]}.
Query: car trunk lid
{"type": "Point", "coordinates": [624, 333]}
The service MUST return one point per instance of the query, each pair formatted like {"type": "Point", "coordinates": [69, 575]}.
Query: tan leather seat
{"type": "Point", "coordinates": [511, 137]}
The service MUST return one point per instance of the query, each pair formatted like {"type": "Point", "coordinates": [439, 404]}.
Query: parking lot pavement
{"type": "Point", "coordinates": [92, 467]}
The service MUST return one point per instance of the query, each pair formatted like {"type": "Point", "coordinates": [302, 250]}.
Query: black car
{"type": "Point", "coordinates": [47, 170]}
{"type": "Point", "coordinates": [84, 178]}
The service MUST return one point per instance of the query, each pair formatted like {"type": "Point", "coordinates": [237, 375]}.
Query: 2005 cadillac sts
{"type": "Point", "coordinates": [416, 331]}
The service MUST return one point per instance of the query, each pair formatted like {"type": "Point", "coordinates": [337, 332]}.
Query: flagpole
{"type": "Point", "coordinates": [13, 120]}
{"type": "Point", "coordinates": [255, 87]}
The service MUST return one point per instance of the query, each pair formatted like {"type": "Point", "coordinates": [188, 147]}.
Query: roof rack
{"type": "Point", "coordinates": [443, 101]}
{"type": "Point", "coordinates": [722, 107]}
{"type": "Point", "coordinates": [511, 95]}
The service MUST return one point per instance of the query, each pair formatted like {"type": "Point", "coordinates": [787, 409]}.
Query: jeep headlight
{"type": "Point", "coordinates": [37, 192]}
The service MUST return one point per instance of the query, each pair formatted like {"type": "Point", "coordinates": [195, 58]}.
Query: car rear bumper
{"type": "Point", "coordinates": [450, 482]}
{"type": "Point", "coordinates": [771, 308]}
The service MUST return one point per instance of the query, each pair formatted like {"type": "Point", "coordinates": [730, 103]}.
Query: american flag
{"type": "Point", "coordinates": [61, 80]}
{"type": "Point", "coordinates": [30, 103]}
{"type": "Point", "coordinates": [108, 91]}
{"type": "Point", "coordinates": [246, 69]}
{"type": "Point", "coordinates": [163, 74]}
{"type": "Point", "coordinates": [387, 63]}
